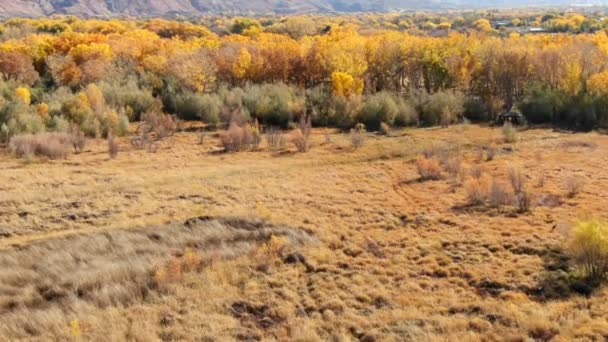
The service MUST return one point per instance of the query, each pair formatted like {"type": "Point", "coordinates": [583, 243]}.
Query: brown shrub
{"type": "Point", "coordinates": [301, 136]}
{"type": "Point", "coordinates": [478, 189]}
{"type": "Point", "coordinates": [238, 138]}
{"type": "Point", "coordinates": [476, 172]}
{"type": "Point", "coordinates": [50, 145]}
{"type": "Point", "coordinates": [428, 169]}
{"type": "Point", "coordinates": [517, 180]}
{"type": "Point", "coordinates": [453, 166]}
{"type": "Point", "coordinates": [112, 147]}
{"type": "Point", "coordinates": [154, 127]}
{"type": "Point", "coordinates": [498, 195]}
{"type": "Point", "coordinates": [300, 140]}
{"type": "Point", "coordinates": [357, 135]}
{"type": "Point", "coordinates": [79, 141]}
{"type": "Point", "coordinates": [573, 185]}
{"type": "Point", "coordinates": [523, 201]}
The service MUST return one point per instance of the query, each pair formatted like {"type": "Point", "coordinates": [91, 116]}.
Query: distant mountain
{"type": "Point", "coordinates": [150, 8]}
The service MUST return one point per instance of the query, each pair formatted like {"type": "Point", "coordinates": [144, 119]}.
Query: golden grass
{"type": "Point", "coordinates": [396, 259]}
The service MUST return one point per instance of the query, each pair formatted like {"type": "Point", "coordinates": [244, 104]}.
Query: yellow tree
{"type": "Point", "coordinates": [482, 25]}
{"type": "Point", "coordinates": [598, 84]}
{"type": "Point", "coordinates": [196, 71]}
{"type": "Point", "coordinates": [345, 85]}
{"type": "Point", "coordinates": [24, 95]}
{"type": "Point", "coordinates": [242, 64]}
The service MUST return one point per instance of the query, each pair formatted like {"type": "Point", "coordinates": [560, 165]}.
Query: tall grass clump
{"type": "Point", "coordinates": [275, 139]}
{"type": "Point", "coordinates": [573, 185]}
{"type": "Point", "coordinates": [428, 169]}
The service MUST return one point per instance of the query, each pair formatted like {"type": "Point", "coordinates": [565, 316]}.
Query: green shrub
{"type": "Point", "coordinates": [274, 104]}
{"type": "Point", "coordinates": [130, 97]}
{"type": "Point", "coordinates": [122, 128]}
{"type": "Point", "coordinates": [191, 106]}
{"type": "Point", "coordinates": [540, 106]}
{"type": "Point", "coordinates": [407, 115]}
{"type": "Point", "coordinates": [384, 107]}
{"type": "Point", "coordinates": [577, 113]}
{"type": "Point", "coordinates": [59, 124]}
{"type": "Point", "coordinates": [443, 107]}
{"type": "Point", "coordinates": [588, 243]}
{"type": "Point", "coordinates": [378, 108]}
{"type": "Point", "coordinates": [318, 100]}
{"type": "Point", "coordinates": [19, 118]}
{"type": "Point", "coordinates": [475, 110]}
{"type": "Point", "coordinates": [343, 111]}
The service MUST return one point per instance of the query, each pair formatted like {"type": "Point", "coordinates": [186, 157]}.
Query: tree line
{"type": "Point", "coordinates": [101, 74]}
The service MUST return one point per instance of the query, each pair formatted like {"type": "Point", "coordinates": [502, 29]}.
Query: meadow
{"type": "Point", "coordinates": [338, 243]}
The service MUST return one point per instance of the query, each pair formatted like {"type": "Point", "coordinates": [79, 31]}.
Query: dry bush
{"type": "Point", "coordinates": [79, 140]}
{"type": "Point", "coordinates": [162, 125]}
{"type": "Point", "coordinates": [428, 169]}
{"type": "Point", "coordinates": [517, 180]}
{"type": "Point", "coordinates": [275, 139]}
{"type": "Point", "coordinates": [509, 133]}
{"type": "Point", "coordinates": [154, 127]}
{"type": "Point", "coordinates": [357, 135]}
{"type": "Point", "coordinates": [588, 244]}
{"type": "Point", "coordinates": [238, 138]}
{"type": "Point", "coordinates": [498, 195]}
{"type": "Point", "coordinates": [234, 139]}
{"type": "Point", "coordinates": [478, 189]}
{"type": "Point", "coordinates": [301, 136]}
{"type": "Point", "coordinates": [476, 172]}
{"type": "Point", "coordinates": [112, 147]}
{"type": "Point", "coordinates": [450, 159]}
{"type": "Point", "coordinates": [523, 201]}
{"type": "Point", "coordinates": [300, 140]}
{"type": "Point", "coordinates": [50, 145]}
{"type": "Point", "coordinates": [453, 166]}
{"type": "Point", "coordinates": [573, 185]}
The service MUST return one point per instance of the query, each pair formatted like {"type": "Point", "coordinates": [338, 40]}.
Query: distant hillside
{"type": "Point", "coordinates": [147, 8]}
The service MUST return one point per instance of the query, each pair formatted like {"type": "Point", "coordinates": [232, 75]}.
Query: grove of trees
{"type": "Point", "coordinates": [100, 74]}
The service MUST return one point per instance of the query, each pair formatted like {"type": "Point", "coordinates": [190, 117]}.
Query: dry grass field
{"type": "Point", "coordinates": [337, 243]}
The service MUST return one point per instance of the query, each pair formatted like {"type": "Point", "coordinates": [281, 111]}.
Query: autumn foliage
{"type": "Point", "coordinates": [99, 74]}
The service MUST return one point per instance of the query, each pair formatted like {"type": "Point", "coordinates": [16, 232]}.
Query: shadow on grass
{"type": "Point", "coordinates": [559, 280]}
